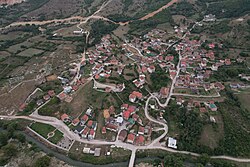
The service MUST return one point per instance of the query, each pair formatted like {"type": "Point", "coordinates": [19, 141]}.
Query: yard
{"type": "Point", "coordinates": [42, 129]}
{"type": "Point", "coordinates": [58, 135]}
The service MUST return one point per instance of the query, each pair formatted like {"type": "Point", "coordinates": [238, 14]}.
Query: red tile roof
{"type": "Point", "coordinates": [126, 114]}
{"type": "Point", "coordinates": [104, 130]}
{"type": "Point", "coordinates": [64, 116]}
{"type": "Point", "coordinates": [85, 117]}
{"type": "Point", "coordinates": [131, 137]}
{"type": "Point", "coordinates": [92, 132]}
{"type": "Point", "coordinates": [90, 123]}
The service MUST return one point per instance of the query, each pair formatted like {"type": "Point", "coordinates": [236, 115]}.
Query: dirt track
{"type": "Point", "coordinates": [159, 10]}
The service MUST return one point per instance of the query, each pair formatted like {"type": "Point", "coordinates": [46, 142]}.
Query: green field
{"type": "Point", "coordinates": [57, 137]}
{"type": "Point", "coordinates": [244, 100]}
{"type": "Point", "coordinates": [42, 129]}
{"type": "Point", "coordinates": [30, 52]}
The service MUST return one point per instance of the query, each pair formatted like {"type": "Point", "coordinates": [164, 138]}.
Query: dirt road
{"type": "Point", "coordinates": [159, 10]}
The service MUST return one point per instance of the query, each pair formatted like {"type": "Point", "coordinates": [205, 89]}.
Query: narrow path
{"type": "Point", "coordinates": [159, 10]}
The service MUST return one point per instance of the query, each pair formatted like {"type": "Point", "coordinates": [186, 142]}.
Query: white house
{"type": "Point", "coordinates": [172, 143]}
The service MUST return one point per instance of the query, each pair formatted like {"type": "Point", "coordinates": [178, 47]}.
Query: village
{"type": "Point", "coordinates": [112, 66]}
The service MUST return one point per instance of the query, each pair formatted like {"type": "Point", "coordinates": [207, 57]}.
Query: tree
{"type": "Point", "coordinates": [172, 161]}
{"type": "Point", "coordinates": [42, 162]}
{"type": "Point", "coordinates": [20, 137]}
{"type": "Point", "coordinates": [10, 150]}
{"type": "Point", "coordinates": [3, 138]}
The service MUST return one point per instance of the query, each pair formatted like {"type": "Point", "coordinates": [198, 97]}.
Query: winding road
{"type": "Point", "coordinates": [155, 144]}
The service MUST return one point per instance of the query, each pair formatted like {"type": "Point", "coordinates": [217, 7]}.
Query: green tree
{"type": "Point", "coordinates": [3, 138]}
{"type": "Point", "coordinates": [173, 161]}
{"type": "Point", "coordinates": [42, 162]}
{"type": "Point", "coordinates": [10, 150]}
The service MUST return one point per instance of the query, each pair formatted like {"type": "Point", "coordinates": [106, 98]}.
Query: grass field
{"type": "Point", "coordinates": [244, 99]}
{"type": "Point", "coordinates": [30, 52]}
{"type": "Point", "coordinates": [42, 129]}
{"type": "Point", "coordinates": [85, 97]}
{"type": "Point", "coordinates": [57, 137]}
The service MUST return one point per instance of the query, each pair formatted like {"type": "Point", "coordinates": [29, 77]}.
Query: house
{"type": "Point", "coordinates": [119, 120]}
{"type": "Point", "coordinates": [132, 98]}
{"type": "Point", "coordinates": [104, 131]}
{"type": "Point", "coordinates": [151, 69]}
{"type": "Point", "coordinates": [78, 129]}
{"type": "Point", "coordinates": [97, 152]}
{"type": "Point", "coordinates": [124, 106]}
{"type": "Point", "coordinates": [164, 92]}
{"type": "Point", "coordinates": [106, 113]}
{"type": "Point", "coordinates": [89, 112]}
{"type": "Point", "coordinates": [90, 124]}
{"type": "Point", "coordinates": [22, 107]}
{"type": "Point", "coordinates": [213, 107]}
{"type": "Point", "coordinates": [112, 110]}
{"type": "Point", "coordinates": [75, 121]}
{"type": "Point", "coordinates": [62, 96]}
{"type": "Point", "coordinates": [112, 127]}
{"type": "Point", "coordinates": [126, 115]}
{"type": "Point", "coordinates": [139, 140]}
{"type": "Point", "coordinates": [86, 150]}
{"type": "Point", "coordinates": [39, 102]}
{"type": "Point", "coordinates": [219, 86]}
{"type": "Point", "coordinates": [227, 62]}
{"type": "Point", "coordinates": [85, 132]}
{"type": "Point", "coordinates": [141, 130]}
{"type": "Point", "coordinates": [51, 93]}
{"type": "Point", "coordinates": [131, 138]}
{"type": "Point", "coordinates": [46, 97]}
{"type": "Point", "coordinates": [84, 119]}
{"type": "Point", "coordinates": [203, 110]}
{"type": "Point", "coordinates": [91, 134]}
{"type": "Point", "coordinates": [179, 100]}
{"type": "Point", "coordinates": [132, 109]}
{"type": "Point", "coordinates": [122, 135]}
{"type": "Point", "coordinates": [135, 117]}
{"type": "Point", "coordinates": [209, 18]}
{"type": "Point", "coordinates": [65, 118]}
{"type": "Point", "coordinates": [148, 130]}
{"type": "Point", "coordinates": [172, 143]}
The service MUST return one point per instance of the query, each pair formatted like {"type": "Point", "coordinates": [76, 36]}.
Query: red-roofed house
{"type": "Point", "coordinates": [84, 119]}
{"type": "Point", "coordinates": [62, 96]}
{"type": "Point", "coordinates": [65, 118]}
{"type": "Point", "coordinates": [85, 132]}
{"type": "Point", "coordinates": [112, 127]}
{"type": "Point", "coordinates": [22, 107]}
{"type": "Point", "coordinates": [132, 98]}
{"type": "Point", "coordinates": [46, 97]}
{"type": "Point", "coordinates": [104, 131]}
{"type": "Point", "coordinates": [169, 58]}
{"type": "Point", "coordinates": [51, 93]}
{"type": "Point", "coordinates": [139, 140]}
{"type": "Point", "coordinates": [131, 138]}
{"type": "Point", "coordinates": [126, 115]}
{"type": "Point", "coordinates": [75, 122]}
{"type": "Point", "coordinates": [91, 134]}
{"type": "Point", "coordinates": [90, 123]}
{"type": "Point", "coordinates": [124, 106]}
{"type": "Point", "coordinates": [141, 130]}
{"type": "Point", "coordinates": [151, 69]}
